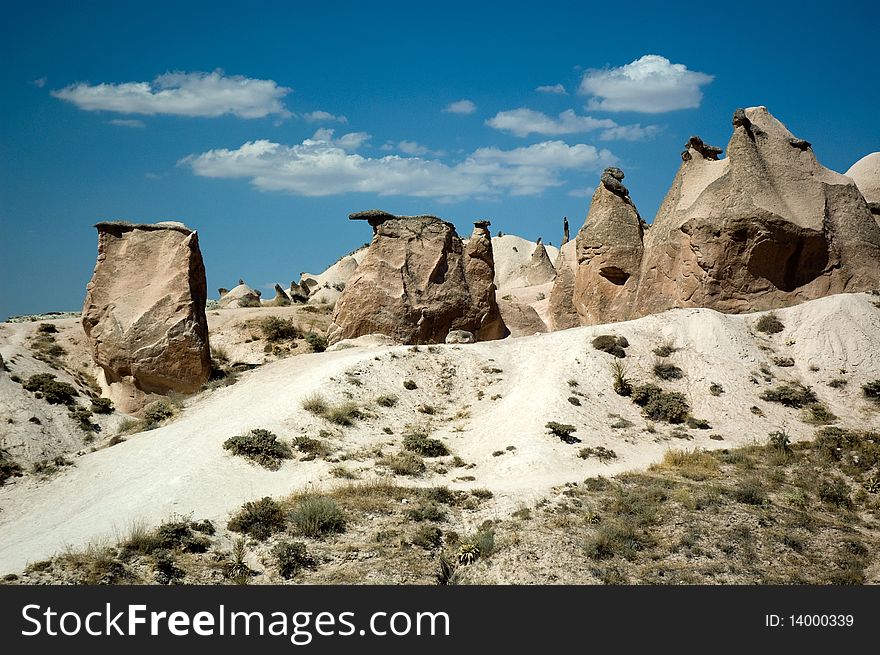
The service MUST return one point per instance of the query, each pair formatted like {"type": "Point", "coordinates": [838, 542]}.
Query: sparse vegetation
{"type": "Point", "coordinates": [51, 390]}
{"type": "Point", "coordinates": [667, 371]}
{"type": "Point", "coordinates": [791, 395]}
{"type": "Point", "coordinates": [315, 404]}
{"type": "Point", "coordinates": [665, 349]}
{"type": "Point", "coordinates": [837, 383]}
{"type": "Point", "coordinates": [386, 400]}
{"type": "Point", "coordinates": [601, 453]}
{"type": "Point", "coordinates": [769, 324]}
{"type": "Point", "coordinates": [317, 342]}
{"type": "Point", "coordinates": [8, 467]}
{"type": "Point", "coordinates": [608, 343]}
{"type": "Point", "coordinates": [419, 440]}
{"type": "Point", "coordinates": [659, 405]}
{"type": "Point", "coordinates": [291, 557]}
{"type": "Point", "coordinates": [316, 516]}
{"type": "Point", "coordinates": [157, 412]}
{"type": "Point", "coordinates": [783, 362]}
{"type": "Point", "coordinates": [311, 447]}
{"type": "Point", "coordinates": [260, 446]}
{"type": "Point", "coordinates": [409, 385]}
{"type": "Point", "coordinates": [258, 519]}
{"type": "Point", "coordinates": [871, 390]}
{"type": "Point", "coordinates": [716, 389]}
{"type": "Point", "coordinates": [403, 463]}
{"type": "Point", "coordinates": [102, 406]}
{"type": "Point", "coordinates": [277, 329]}
{"type": "Point", "coordinates": [564, 431]}
{"type": "Point", "coordinates": [621, 385]}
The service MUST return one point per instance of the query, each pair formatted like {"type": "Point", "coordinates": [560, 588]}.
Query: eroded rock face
{"type": "Point", "coordinates": [562, 314]}
{"type": "Point", "coordinates": [765, 227]}
{"type": "Point", "coordinates": [608, 253]}
{"type": "Point", "coordinates": [144, 312]}
{"type": "Point", "coordinates": [417, 282]}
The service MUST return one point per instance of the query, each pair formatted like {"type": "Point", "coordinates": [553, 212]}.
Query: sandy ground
{"type": "Point", "coordinates": [488, 397]}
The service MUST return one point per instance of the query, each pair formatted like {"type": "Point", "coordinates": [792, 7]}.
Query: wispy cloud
{"type": "Point", "coordinates": [522, 122]}
{"type": "Point", "coordinates": [182, 94]}
{"type": "Point", "coordinates": [323, 117]}
{"type": "Point", "coordinates": [39, 82]}
{"type": "Point", "coordinates": [558, 89]}
{"type": "Point", "coordinates": [411, 148]}
{"type": "Point", "coordinates": [651, 84]}
{"type": "Point", "coordinates": [321, 166]}
{"type": "Point", "coordinates": [463, 106]}
{"type": "Point", "coordinates": [126, 122]}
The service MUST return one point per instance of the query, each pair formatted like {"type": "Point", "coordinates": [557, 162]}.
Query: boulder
{"type": "Point", "coordinates": [460, 336]}
{"type": "Point", "coordinates": [521, 319]}
{"type": "Point", "coordinates": [144, 312]}
{"type": "Point", "coordinates": [239, 296]}
{"type": "Point", "coordinates": [417, 281]}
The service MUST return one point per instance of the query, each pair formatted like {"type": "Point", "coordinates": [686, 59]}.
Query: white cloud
{"type": "Point", "coordinates": [350, 141]}
{"type": "Point", "coordinates": [651, 84]}
{"type": "Point", "coordinates": [320, 166]}
{"type": "Point", "coordinates": [552, 88]}
{"type": "Point", "coordinates": [463, 106]}
{"type": "Point", "coordinates": [182, 94]}
{"type": "Point", "coordinates": [126, 122]}
{"type": "Point", "coordinates": [412, 148]}
{"type": "Point", "coordinates": [323, 117]}
{"type": "Point", "coordinates": [522, 122]}
{"type": "Point", "coordinates": [582, 193]}
{"type": "Point", "coordinates": [630, 132]}
{"type": "Point", "coordinates": [40, 82]}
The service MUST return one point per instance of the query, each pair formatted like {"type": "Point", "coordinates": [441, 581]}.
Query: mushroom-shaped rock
{"type": "Point", "coordinates": [144, 312]}
{"type": "Point", "coordinates": [240, 296]}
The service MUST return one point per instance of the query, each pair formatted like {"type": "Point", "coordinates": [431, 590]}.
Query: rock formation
{"type": "Point", "coordinates": [281, 298]}
{"type": "Point", "coordinates": [540, 269]}
{"type": "Point", "coordinates": [565, 234]}
{"type": "Point", "coordinates": [298, 292]}
{"type": "Point", "coordinates": [866, 174]}
{"type": "Point", "coordinates": [418, 281]}
{"type": "Point", "coordinates": [562, 314]}
{"type": "Point", "coordinates": [144, 312]}
{"type": "Point", "coordinates": [239, 296]}
{"type": "Point", "coordinates": [765, 227]}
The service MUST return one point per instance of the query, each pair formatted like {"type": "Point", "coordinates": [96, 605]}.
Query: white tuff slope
{"type": "Point", "coordinates": [182, 468]}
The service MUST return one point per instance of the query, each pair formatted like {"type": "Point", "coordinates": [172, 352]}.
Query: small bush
{"type": "Point", "coordinates": [260, 446]}
{"type": "Point", "coordinates": [616, 538]}
{"type": "Point", "coordinates": [258, 519]}
{"type": "Point", "coordinates": [698, 423]}
{"type": "Point", "coordinates": [311, 447]}
{"type": "Point", "coordinates": [564, 431]}
{"type": "Point", "coordinates": [8, 468]}
{"type": "Point", "coordinates": [317, 342]}
{"type": "Point", "coordinates": [291, 557]}
{"type": "Point", "coordinates": [386, 400]}
{"type": "Point", "coordinates": [419, 441]}
{"type": "Point", "coordinates": [769, 324]}
{"type": "Point", "coordinates": [102, 406]}
{"type": "Point", "coordinates": [53, 391]}
{"type": "Point", "coordinates": [345, 413]}
{"type": "Point", "coordinates": [426, 511]}
{"type": "Point", "coordinates": [835, 492]}
{"type": "Point", "coordinates": [47, 328]}
{"type": "Point", "coordinates": [783, 362]}
{"type": "Point", "coordinates": [665, 349]}
{"type": "Point", "coordinates": [871, 390]}
{"type": "Point", "coordinates": [667, 371]}
{"type": "Point", "coordinates": [156, 412]}
{"type": "Point", "coordinates": [430, 410]}
{"type": "Point", "coordinates": [791, 395]}
{"type": "Point", "coordinates": [750, 492]}
{"type": "Point", "coordinates": [82, 417]}
{"type": "Point", "coordinates": [601, 453]}
{"type": "Point", "coordinates": [277, 329]}
{"type": "Point", "coordinates": [692, 464]}
{"type": "Point", "coordinates": [404, 463]}
{"type": "Point", "coordinates": [837, 383]}
{"type": "Point", "coordinates": [315, 404]}
{"type": "Point", "coordinates": [659, 405]}
{"type": "Point", "coordinates": [316, 516]}
{"type": "Point", "coordinates": [716, 389]}
{"type": "Point", "coordinates": [610, 344]}
{"type": "Point", "coordinates": [780, 440]}
{"type": "Point", "coordinates": [818, 414]}
{"type": "Point", "coordinates": [621, 385]}
{"type": "Point", "coordinates": [427, 537]}
{"type": "Point", "coordinates": [409, 385]}
{"type": "Point", "coordinates": [574, 400]}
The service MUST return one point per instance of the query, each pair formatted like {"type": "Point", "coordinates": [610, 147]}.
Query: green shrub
{"type": "Point", "coordinates": [258, 519]}
{"type": "Point", "coordinates": [419, 441]}
{"type": "Point", "coordinates": [315, 404]}
{"type": "Point", "coordinates": [574, 400]}
{"type": "Point", "coordinates": [617, 538]}
{"type": "Point", "coordinates": [82, 417]}
{"type": "Point", "coordinates": [404, 463]}
{"type": "Point", "coordinates": [291, 557]}
{"type": "Point", "coordinates": [426, 511]}
{"type": "Point", "coordinates": [783, 362]}
{"type": "Point", "coordinates": [667, 371]}
{"type": "Point", "coordinates": [53, 391]}
{"type": "Point", "coordinates": [564, 431]}
{"type": "Point", "coordinates": [176, 534]}
{"type": "Point", "coordinates": [871, 390]}
{"type": "Point", "coordinates": [316, 516]}
{"type": "Point", "coordinates": [837, 383]}
{"type": "Point", "coordinates": [386, 400]}
{"type": "Point", "coordinates": [835, 492]}
{"type": "Point", "coordinates": [409, 385]}
{"type": "Point", "coordinates": [601, 453]}
{"type": "Point", "coordinates": [698, 423]}
{"type": "Point", "coordinates": [610, 344]}
{"type": "Point", "coordinates": [659, 405]}
{"type": "Point", "coordinates": [427, 537]}
{"type": "Point", "coordinates": [317, 342]}
{"type": "Point", "coordinates": [156, 412]}
{"type": "Point", "coordinates": [102, 406]}
{"type": "Point", "coordinates": [665, 349]}
{"type": "Point", "coordinates": [311, 447]}
{"type": "Point", "coordinates": [791, 395]}
{"type": "Point", "coordinates": [47, 328]}
{"type": "Point", "coordinates": [818, 414]}
{"type": "Point", "coordinates": [716, 389]}
{"type": "Point", "coordinates": [8, 468]}
{"type": "Point", "coordinates": [780, 440]}
{"type": "Point", "coordinates": [750, 492]}
{"type": "Point", "coordinates": [621, 385]}
{"type": "Point", "coordinates": [260, 446]}
{"type": "Point", "coordinates": [769, 324]}
{"type": "Point", "coordinates": [277, 329]}
{"type": "Point", "coordinates": [344, 413]}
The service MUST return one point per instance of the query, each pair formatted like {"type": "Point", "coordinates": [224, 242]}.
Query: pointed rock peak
{"type": "Point", "coordinates": [696, 145]}
{"type": "Point", "coordinates": [565, 232]}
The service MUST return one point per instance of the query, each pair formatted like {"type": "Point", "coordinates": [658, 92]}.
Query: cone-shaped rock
{"type": "Point", "coordinates": [540, 269]}
{"type": "Point", "coordinates": [561, 313]}
{"type": "Point", "coordinates": [144, 312]}
{"type": "Point", "coordinates": [240, 295]}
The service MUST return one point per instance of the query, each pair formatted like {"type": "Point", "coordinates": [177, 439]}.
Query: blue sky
{"type": "Point", "coordinates": [220, 115]}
